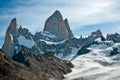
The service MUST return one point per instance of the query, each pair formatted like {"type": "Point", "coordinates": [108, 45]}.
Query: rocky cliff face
{"type": "Point", "coordinates": [11, 38]}
{"type": "Point", "coordinates": [57, 26]}
{"type": "Point", "coordinates": [113, 37]}
{"type": "Point", "coordinates": [57, 37]}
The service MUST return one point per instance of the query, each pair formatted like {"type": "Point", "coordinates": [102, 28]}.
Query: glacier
{"type": "Point", "coordinates": [97, 64]}
{"type": "Point", "coordinates": [25, 42]}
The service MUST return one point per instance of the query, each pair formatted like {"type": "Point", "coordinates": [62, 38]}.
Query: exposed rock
{"type": "Point", "coordinates": [114, 52]}
{"type": "Point", "coordinates": [13, 26]}
{"type": "Point", "coordinates": [25, 32]}
{"type": "Point", "coordinates": [56, 25]}
{"type": "Point", "coordinates": [68, 27]}
{"type": "Point", "coordinates": [10, 38]}
{"type": "Point", "coordinates": [96, 34]}
{"type": "Point", "coordinates": [44, 35]}
{"type": "Point", "coordinates": [113, 37]}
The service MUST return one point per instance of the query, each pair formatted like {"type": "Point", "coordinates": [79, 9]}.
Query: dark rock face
{"type": "Point", "coordinates": [20, 57]}
{"type": "Point", "coordinates": [25, 32]}
{"type": "Point", "coordinates": [68, 27]}
{"type": "Point", "coordinates": [113, 37]}
{"type": "Point", "coordinates": [114, 52]}
{"type": "Point", "coordinates": [57, 26]}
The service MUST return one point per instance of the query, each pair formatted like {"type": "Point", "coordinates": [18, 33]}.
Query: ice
{"type": "Point", "coordinates": [73, 53]}
{"type": "Point", "coordinates": [52, 43]}
{"type": "Point", "coordinates": [25, 42]}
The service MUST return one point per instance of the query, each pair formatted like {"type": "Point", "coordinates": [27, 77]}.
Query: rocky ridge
{"type": "Point", "coordinates": [33, 67]}
{"type": "Point", "coordinates": [56, 36]}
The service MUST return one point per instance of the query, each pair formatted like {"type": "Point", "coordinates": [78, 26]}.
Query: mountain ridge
{"type": "Point", "coordinates": [47, 40]}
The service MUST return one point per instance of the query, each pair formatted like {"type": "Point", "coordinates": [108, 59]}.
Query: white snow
{"type": "Point", "coordinates": [25, 42]}
{"type": "Point", "coordinates": [96, 65]}
{"type": "Point", "coordinates": [11, 37]}
{"type": "Point", "coordinates": [94, 35]}
{"type": "Point", "coordinates": [47, 34]}
{"type": "Point", "coordinates": [41, 52]}
{"type": "Point", "coordinates": [73, 53]}
{"type": "Point", "coordinates": [52, 43]}
{"type": "Point", "coordinates": [60, 55]}
{"type": "Point", "coordinates": [98, 40]}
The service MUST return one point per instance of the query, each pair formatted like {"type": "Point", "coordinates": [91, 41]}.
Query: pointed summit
{"type": "Point", "coordinates": [97, 33]}
{"type": "Point", "coordinates": [68, 27]}
{"type": "Point", "coordinates": [13, 25]}
{"type": "Point", "coordinates": [56, 25]}
{"type": "Point", "coordinates": [10, 38]}
{"type": "Point", "coordinates": [57, 13]}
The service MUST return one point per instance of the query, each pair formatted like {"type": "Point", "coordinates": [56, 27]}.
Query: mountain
{"type": "Point", "coordinates": [57, 26]}
{"type": "Point", "coordinates": [56, 44]}
{"type": "Point", "coordinates": [41, 42]}
{"type": "Point", "coordinates": [56, 37]}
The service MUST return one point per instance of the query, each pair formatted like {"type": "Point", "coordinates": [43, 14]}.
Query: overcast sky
{"type": "Point", "coordinates": [84, 16]}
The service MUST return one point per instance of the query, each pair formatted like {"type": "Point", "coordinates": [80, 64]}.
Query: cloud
{"type": "Point", "coordinates": [80, 13]}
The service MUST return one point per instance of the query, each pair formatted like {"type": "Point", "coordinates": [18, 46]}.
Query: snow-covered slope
{"type": "Point", "coordinates": [26, 42]}
{"type": "Point", "coordinates": [97, 64]}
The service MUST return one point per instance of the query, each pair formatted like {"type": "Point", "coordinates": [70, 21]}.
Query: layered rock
{"type": "Point", "coordinates": [57, 26]}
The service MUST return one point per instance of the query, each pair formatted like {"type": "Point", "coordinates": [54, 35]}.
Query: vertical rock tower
{"type": "Point", "coordinates": [57, 26]}
{"type": "Point", "coordinates": [10, 38]}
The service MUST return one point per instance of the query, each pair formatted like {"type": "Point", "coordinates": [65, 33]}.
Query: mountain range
{"type": "Point", "coordinates": [57, 37]}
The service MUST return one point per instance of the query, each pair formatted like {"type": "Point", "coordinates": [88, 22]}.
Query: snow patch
{"type": "Point", "coordinates": [73, 53]}
{"type": "Point", "coordinates": [25, 42]}
{"type": "Point", "coordinates": [98, 40]}
{"type": "Point", "coordinates": [11, 37]}
{"type": "Point", "coordinates": [52, 43]}
{"type": "Point", "coordinates": [60, 55]}
{"type": "Point", "coordinates": [47, 34]}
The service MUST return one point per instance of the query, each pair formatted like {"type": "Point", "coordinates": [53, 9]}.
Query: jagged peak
{"type": "Point", "coordinates": [57, 12]}
{"type": "Point", "coordinates": [96, 33]}
{"type": "Point", "coordinates": [20, 27]}
{"type": "Point", "coordinates": [13, 25]}
{"type": "Point", "coordinates": [57, 15]}
{"type": "Point", "coordinates": [66, 20]}
{"type": "Point", "coordinates": [13, 22]}
{"type": "Point", "coordinates": [68, 28]}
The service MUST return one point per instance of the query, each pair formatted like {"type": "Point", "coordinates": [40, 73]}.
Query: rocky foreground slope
{"type": "Point", "coordinates": [33, 67]}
